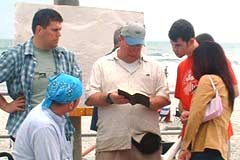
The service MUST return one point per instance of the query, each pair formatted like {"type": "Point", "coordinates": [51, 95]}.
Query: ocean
{"type": "Point", "coordinates": [162, 52]}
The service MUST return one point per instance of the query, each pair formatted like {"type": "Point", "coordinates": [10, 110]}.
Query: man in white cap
{"type": "Point", "coordinates": [128, 129]}
{"type": "Point", "coordinates": [42, 134]}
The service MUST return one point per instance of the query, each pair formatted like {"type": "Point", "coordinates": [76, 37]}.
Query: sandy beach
{"type": "Point", "coordinates": [5, 144]}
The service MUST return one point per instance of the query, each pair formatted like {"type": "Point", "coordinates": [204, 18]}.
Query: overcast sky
{"type": "Point", "coordinates": [217, 17]}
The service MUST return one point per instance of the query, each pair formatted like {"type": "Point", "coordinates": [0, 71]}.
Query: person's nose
{"type": "Point", "coordinates": [174, 50]}
{"type": "Point", "coordinates": [59, 34]}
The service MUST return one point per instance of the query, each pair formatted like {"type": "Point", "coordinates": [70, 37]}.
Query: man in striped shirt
{"type": "Point", "coordinates": [26, 67]}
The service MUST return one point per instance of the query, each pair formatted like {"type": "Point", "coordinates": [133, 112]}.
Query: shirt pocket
{"type": "Point", "coordinates": [144, 83]}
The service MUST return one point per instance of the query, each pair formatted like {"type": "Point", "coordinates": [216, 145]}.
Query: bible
{"type": "Point", "coordinates": [136, 98]}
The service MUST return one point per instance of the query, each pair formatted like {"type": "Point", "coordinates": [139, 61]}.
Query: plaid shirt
{"type": "Point", "coordinates": [17, 68]}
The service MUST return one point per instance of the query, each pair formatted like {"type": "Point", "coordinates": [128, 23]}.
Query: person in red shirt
{"type": "Point", "coordinates": [183, 41]}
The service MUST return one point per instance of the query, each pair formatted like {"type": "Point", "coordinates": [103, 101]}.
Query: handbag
{"type": "Point", "coordinates": [149, 144]}
{"type": "Point", "coordinates": [215, 107]}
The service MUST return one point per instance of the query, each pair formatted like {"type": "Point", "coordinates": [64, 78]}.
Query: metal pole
{"type": "Point", "coordinates": [67, 2]}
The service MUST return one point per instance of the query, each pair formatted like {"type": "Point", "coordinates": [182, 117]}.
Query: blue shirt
{"type": "Point", "coordinates": [17, 68]}
{"type": "Point", "coordinates": [41, 137]}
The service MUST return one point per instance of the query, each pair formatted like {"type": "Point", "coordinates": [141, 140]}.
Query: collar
{"type": "Point", "coordinates": [29, 48]}
{"type": "Point", "coordinates": [60, 120]}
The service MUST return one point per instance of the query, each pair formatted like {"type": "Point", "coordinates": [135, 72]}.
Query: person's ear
{"type": "Point", "coordinates": [71, 106]}
{"type": "Point", "coordinates": [191, 41]}
{"type": "Point", "coordinates": [120, 38]}
{"type": "Point", "coordinates": [38, 29]}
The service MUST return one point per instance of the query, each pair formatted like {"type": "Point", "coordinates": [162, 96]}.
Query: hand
{"type": "Point", "coordinates": [184, 117]}
{"type": "Point", "coordinates": [118, 99]}
{"type": "Point", "coordinates": [184, 155]}
{"type": "Point", "coordinates": [16, 105]}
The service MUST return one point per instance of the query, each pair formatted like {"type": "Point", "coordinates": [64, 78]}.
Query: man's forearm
{"type": "Point", "coordinates": [158, 102]}
{"type": "Point", "coordinates": [3, 103]}
{"type": "Point", "coordinates": [97, 99]}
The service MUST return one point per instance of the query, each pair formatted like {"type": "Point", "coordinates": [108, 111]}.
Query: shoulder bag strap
{"type": "Point", "coordinates": [214, 87]}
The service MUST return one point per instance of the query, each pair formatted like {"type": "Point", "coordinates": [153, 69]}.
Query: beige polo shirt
{"type": "Point", "coordinates": [118, 123]}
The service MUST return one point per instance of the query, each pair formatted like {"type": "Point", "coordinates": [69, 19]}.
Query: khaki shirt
{"type": "Point", "coordinates": [118, 123]}
{"type": "Point", "coordinates": [212, 134]}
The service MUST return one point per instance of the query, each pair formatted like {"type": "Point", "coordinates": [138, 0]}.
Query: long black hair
{"type": "Point", "coordinates": [209, 58]}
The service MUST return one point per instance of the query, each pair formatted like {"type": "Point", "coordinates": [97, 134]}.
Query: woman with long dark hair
{"type": "Point", "coordinates": [208, 140]}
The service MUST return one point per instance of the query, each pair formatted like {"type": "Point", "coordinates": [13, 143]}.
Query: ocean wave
{"type": "Point", "coordinates": [166, 59]}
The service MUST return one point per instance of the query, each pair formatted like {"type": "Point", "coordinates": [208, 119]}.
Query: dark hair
{"type": "Point", "coordinates": [209, 58]}
{"type": "Point", "coordinates": [117, 32]}
{"type": "Point", "coordinates": [204, 37]}
{"type": "Point", "coordinates": [181, 29]}
{"type": "Point", "coordinates": [44, 16]}
{"type": "Point", "coordinates": [115, 37]}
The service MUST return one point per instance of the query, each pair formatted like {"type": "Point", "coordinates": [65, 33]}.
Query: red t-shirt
{"type": "Point", "coordinates": [234, 81]}
{"type": "Point", "coordinates": [186, 83]}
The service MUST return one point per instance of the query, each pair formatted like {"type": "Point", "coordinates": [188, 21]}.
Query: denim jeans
{"type": "Point", "coordinates": [210, 154]}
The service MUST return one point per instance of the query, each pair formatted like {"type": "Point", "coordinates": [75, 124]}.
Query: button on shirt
{"type": "Point", "coordinates": [17, 68]}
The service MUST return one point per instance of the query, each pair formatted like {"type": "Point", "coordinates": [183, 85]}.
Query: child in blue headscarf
{"type": "Point", "coordinates": [42, 135]}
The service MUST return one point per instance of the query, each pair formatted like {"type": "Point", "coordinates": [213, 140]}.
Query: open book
{"type": "Point", "coordinates": [136, 98]}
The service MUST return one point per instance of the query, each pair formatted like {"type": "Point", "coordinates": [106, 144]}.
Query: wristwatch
{"type": "Point", "coordinates": [109, 100]}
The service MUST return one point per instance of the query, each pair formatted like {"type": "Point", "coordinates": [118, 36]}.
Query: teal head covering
{"type": "Point", "coordinates": [62, 89]}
